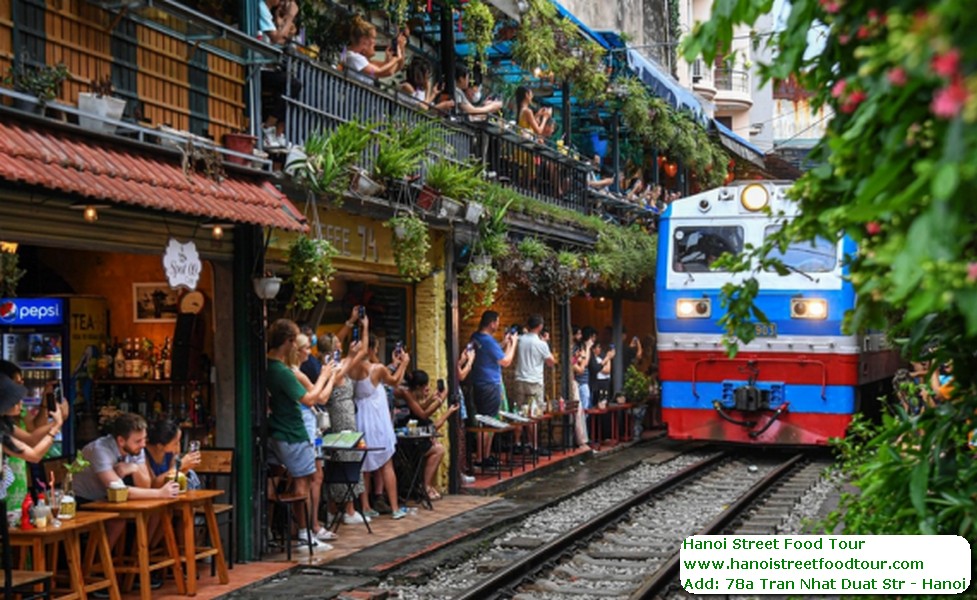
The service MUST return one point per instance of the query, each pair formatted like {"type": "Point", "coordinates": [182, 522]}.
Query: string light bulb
{"type": "Point", "coordinates": [90, 213]}
{"type": "Point", "coordinates": [217, 232]}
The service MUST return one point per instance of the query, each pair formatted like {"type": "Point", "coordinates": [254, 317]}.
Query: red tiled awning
{"type": "Point", "coordinates": [61, 161]}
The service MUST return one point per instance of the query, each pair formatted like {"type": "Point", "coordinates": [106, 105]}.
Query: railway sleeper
{"type": "Point", "coordinates": [626, 555]}
{"type": "Point", "coordinates": [523, 543]}
{"type": "Point", "coordinates": [553, 587]}
{"type": "Point", "coordinates": [606, 563]}
{"type": "Point", "coordinates": [568, 571]}
{"type": "Point", "coordinates": [623, 539]}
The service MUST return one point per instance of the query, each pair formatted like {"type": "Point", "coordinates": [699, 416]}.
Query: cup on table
{"type": "Point", "coordinates": [55, 502]}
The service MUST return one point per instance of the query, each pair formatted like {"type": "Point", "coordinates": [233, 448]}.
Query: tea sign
{"type": "Point", "coordinates": [182, 264]}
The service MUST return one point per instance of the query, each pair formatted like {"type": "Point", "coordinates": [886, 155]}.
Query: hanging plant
{"type": "Point", "coordinates": [402, 149]}
{"type": "Point", "coordinates": [397, 12]}
{"type": "Point", "coordinates": [478, 23]}
{"type": "Point", "coordinates": [477, 285]}
{"type": "Point", "coordinates": [460, 182]}
{"type": "Point", "coordinates": [10, 274]}
{"type": "Point", "coordinates": [411, 243]}
{"type": "Point", "coordinates": [310, 262]}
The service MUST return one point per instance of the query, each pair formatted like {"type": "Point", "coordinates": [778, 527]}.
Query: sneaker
{"type": "Point", "coordinates": [302, 538]}
{"type": "Point", "coordinates": [323, 547]}
{"type": "Point", "coordinates": [400, 513]}
{"type": "Point", "coordinates": [324, 535]}
{"type": "Point", "coordinates": [354, 518]}
{"type": "Point", "coordinates": [467, 479]}
{"type": "Point", "coordinates": [370, 514]}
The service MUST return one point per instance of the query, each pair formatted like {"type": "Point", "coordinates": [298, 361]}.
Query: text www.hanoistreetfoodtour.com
{"type": "Point", "coordinates": [822, 564]}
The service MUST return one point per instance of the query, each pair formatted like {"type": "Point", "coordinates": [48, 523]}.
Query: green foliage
{"type": "Point", "coordinates": [898, 175]}
{"type": "Point", "coordinates": [659, 126]}
{"type": "Point", "coordinates": [627, 256]}
{"type": "Point", "coordinates": [478, 23]}
{"type": "Point", "coordinates": [411, 243]}
{"type": "Point", "coordinates": [43, 82]}
{"type": "Point", "coordinates": [403, 147]}
{"type": "Point", "coordinates": [532, 248]}
{"type": "Point", "coordinates": [477, 296]}
{"type": "Point", "coordinates": [78, 465]}
{"type": "Point", "coordinates": [310, 264]}
{"type": "Point", "coordinates": [461, 182]}
{"type": "Point", "coordinates": [325, 28]}
{"type": "Point", "coordinates": [637, 385]}
{"type": "Point", "coordinates": [10, 274]}
{"type": "Point", "coordinates": [546, 41]}
{"type": "Point", "coordinates": [328, 158]}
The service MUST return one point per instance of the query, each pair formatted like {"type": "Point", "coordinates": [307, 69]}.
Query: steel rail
{"type": "Point", "coordinates": [656, 584]}
{"type": "Point", "coordinates": [515, 572]}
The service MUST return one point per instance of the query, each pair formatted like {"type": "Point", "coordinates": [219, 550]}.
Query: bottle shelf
{"type": "Point", "coordinates": [159, 382]}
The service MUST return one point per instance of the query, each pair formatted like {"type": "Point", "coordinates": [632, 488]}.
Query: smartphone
{"type": "Point", "coordinates": [356, 333]}
{"type": "Point", "coordinates": [362, 311]}
{"type": "Point", "coordinates": [634, 340]}
{"type": "Point", "coordinates": [336, 356]}
{"type": "Point", "coordinates": [610, 346]}
{"type": "Point", "coordinates": [470, 347]}
{"type": "Point", "coordinates": [54, 397]}
{"type": "Point", "coordinates": [398, 347]}
{"type": "Point", "coordinates": [514, 330]}
{"type": "Point", "coordinates": [440, 386]}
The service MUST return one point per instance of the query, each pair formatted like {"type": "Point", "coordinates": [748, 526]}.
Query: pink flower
{"type": "Point", "coordinates": [830, 6]}
{"type": "Point", "coordinates": [838, 88]}
{"type": "Point", "coordinates": [897, 76]}
{"type": "Point", "coordinates": [843, 39]}
{"type": "Point", "coordinates": [852, 102]}
{"type": "Point", "coordinates": [873, 14]}
{"type": "Point", "coordinates": [949, 101]}
{"type": "Point", "coordinates": [863, 32]}
{"type": "Point", "coordinates": [972, 271]}
{"type": "Point", "coordinates": [947, 65]}
{"type": "Point", "coordinates": [873, 228]}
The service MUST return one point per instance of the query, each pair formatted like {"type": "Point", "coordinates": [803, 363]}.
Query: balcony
{"type": "Point", "coordinates": [329, 97]}
{"type": "Point", "coordinates": [733, 92]}
{"type": "Point", "coordinates": [702, 81]}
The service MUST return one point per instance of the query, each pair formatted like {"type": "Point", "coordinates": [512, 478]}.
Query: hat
{"type": "Point", "coordinates": [11, 393]}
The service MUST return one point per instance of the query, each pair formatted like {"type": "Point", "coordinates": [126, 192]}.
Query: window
{"type": "Point", "coordinates": [818, 256]}
{"type": "Point", "coordinates": [695, 248]}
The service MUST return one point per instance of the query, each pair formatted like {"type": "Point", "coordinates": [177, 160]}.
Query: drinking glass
{"type": "Point", "coordinates": [56, 497]}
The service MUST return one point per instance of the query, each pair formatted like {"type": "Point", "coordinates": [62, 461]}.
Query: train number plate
{"type": "Point", "coordinates": [766, 330]}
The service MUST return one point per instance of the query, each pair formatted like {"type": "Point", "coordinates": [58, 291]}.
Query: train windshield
{"type": "Point", "coordinates": [695, 248]}
{"type": "Point", "coordinates": [818, 256]}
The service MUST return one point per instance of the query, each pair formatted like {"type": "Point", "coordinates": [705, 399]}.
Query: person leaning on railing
{"type": "Point", "coordinates": [462, 103]}
{"type": "Point", "coordinates": [362, 48]}
{"type": "Point", "coordinates": [277, 29]}
{"type": "Point", "coordinates": [419, 87]}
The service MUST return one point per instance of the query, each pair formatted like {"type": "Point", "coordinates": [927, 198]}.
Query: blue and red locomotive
{"type": "Point", "coordinates": [802, 378]}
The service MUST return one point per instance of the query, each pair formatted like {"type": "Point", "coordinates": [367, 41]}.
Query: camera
{"type": "Point", "coordinates": [362, 310]}
{"type": "Point", "coordinates": [440, 386]}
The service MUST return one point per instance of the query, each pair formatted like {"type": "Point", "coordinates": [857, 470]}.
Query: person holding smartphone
{"type": "Point", "coordinates": [485, 379]}
{"type": "Point", "coordinates": [532, 357]}
{"type": "Point", "coordinates": [424, 404]}
{"type": "Point", "coordinates": [362, 48]}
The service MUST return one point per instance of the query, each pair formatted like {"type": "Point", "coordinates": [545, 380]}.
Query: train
{"type": "Point", "coordinates": [802, 378]}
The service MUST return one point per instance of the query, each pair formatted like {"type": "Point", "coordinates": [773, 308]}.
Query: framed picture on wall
{"type": "Point", "coordinates": [154, 303]}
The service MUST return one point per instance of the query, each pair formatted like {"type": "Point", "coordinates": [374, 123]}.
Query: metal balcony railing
{"type": "Point", "coordinates": [732, 80]}
{"type": "Point", "coordinates": [699, 73]}
{"type": "Point", "coordinates": [328, 97]}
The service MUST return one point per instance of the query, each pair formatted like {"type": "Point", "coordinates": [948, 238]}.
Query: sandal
{"type": "Point", "coordinates": [433, 494]}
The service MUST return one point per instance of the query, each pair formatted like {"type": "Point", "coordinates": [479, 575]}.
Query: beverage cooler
{"type": "Point", "coordinates": [54, 339]}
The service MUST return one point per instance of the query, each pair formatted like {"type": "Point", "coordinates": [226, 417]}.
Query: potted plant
{"type": "Point", "coordinates": [310, 263]}
{"type": "Point", "coordinates": [43, 82]}
{"type": "Point", "coordinates": [10, 274]}
{"type": "Point", "coordinates": [533, 252]}
{"type": "Point", "coordinates": [101, 105]}
{"type": "Point", "coordinates": [477, 285]}
{"type": "Point", "coordinates": [402, 150]}
{"type": "Point", "coordinates": [410, 245]}
{"type": "Point", "coordinates": [478, 23]}
{"type": "Point", "coordinates": [326, 166]}
{"type": "Point", "coordinates": [266, 287]}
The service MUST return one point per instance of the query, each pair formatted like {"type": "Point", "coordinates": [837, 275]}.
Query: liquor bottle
{"type": "Point", "coordinates": [143, 405]}
{"type": "Point", "coordinates": [158, 404]}
{"type": "Point", "coordinates": [130, 358]}
{"type": "Point", "coordinates": [102, 364]}
{"type": "Point", "coordinates": [198, 408]}
{"type": "Point", "coordinates": [167, 361]}
{"type": "Point", "coordinates": [119, 363]}
{"type": "Point", "coordinates": [124, 403]}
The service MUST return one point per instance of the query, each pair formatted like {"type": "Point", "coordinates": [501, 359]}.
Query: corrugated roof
{"type": "Point", "coordinates": [67, 162]}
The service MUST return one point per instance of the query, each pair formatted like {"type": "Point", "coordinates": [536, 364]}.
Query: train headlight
{"type": "Point", "coordinates": [808, 308]}
{"type": "Point", "coordinates": [754, 197]}
{"type": "Point", "coordinates": [693, 308]}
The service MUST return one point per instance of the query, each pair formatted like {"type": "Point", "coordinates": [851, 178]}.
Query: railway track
{"type": "Point", "coordinates": [630, 549]}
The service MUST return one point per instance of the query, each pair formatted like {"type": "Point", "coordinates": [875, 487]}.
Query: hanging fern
{"type": "Point", "coordinates": [478, 23]}
{"type": "Point", "coordinates": [310, 263]}
{"type": "Point", "coordinates": [411, 243]}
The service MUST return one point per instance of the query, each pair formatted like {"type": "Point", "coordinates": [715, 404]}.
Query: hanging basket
{"type": "Point", "coordinates": [266, 288]}
{"type": "Point", "coordinates": [363, 185]}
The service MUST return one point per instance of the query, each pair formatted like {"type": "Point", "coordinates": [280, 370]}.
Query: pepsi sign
{"type": "Point", "coordinates": [31, 311]}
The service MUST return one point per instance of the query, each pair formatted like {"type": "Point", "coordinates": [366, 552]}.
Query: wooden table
{"type": "Point", "coordinates": [141, 511]}
{"type": "Point", "coordinates": [69, 536]}
{"type": "Point", "coordinates": [187, 502]}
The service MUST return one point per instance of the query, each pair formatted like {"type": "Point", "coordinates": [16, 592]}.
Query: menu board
{"type": "Point", "coordinates": [343, 439]}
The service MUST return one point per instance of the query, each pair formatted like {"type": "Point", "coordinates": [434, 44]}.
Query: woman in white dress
{"type": "Point", "coordinates": [373, 419]}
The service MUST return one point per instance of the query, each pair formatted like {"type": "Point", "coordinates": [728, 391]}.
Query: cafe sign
{"type": "Point", "coordinates": [182, 264]}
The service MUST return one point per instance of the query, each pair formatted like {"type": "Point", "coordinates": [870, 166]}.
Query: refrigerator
{"type": "Point", "coordinates": [55, 339]}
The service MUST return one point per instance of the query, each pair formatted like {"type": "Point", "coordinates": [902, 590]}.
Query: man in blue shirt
{"type": "Point", "coordinates": [486, 374]}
